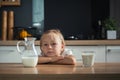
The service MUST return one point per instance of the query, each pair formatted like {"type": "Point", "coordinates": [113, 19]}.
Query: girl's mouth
{"type": "Point", "coordinates": [50, 53]}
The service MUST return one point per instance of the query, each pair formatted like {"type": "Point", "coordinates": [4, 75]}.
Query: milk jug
{"type": "Point", "coordinates": [28, 52]}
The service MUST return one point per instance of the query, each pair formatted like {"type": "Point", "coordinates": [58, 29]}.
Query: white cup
{"type": "Point", "coordinates": [88, 58]}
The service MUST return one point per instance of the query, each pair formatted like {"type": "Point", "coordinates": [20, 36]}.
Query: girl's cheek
{"type": "Point", "coordinates": [43, 49]}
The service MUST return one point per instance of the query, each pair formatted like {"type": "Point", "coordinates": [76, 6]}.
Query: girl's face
{"type": "Point", "coordinates": [51, 45]}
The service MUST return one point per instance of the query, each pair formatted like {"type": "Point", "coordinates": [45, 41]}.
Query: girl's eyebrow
{"type": "Point", "coordinates": [53, 41]}
{"type": "Point", "coordinates": [44, 41]}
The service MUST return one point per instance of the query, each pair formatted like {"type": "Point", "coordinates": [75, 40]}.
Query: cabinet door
{"type": "Point", "coordinates": [9, 54]}
{"type": "Point", "coordinates": [113, 53]}
{"type": "Point", "coordinates": [99, 52]}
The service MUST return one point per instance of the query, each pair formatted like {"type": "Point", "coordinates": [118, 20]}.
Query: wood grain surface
{"type": "Point", "coordinates": [100, 71]}
{"type": "Point", "coordinates": [10, 25]}
{"type": "Point", "coordinates": [4, 25]}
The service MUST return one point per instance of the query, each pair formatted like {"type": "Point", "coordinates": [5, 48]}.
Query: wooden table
{"type": "Point", "coordinates": [100, 71]}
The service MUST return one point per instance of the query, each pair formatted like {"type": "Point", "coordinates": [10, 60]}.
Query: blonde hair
{"type": "Point", "coordinates": [55, 31]}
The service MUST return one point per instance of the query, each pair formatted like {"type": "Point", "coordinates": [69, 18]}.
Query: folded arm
{"type": "Point", "coordinates": [58, 60]}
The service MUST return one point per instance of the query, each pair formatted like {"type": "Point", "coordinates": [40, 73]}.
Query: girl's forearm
{"type": "Point", "coordinates": [58, 60]}
{"type": "Point", "coordinates": [67, 60]}
{"type": "Point", "coordinates": [49, 59]}
{"type": "Point", "coordinates": [44, 59]}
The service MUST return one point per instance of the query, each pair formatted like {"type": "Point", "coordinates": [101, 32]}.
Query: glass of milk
{"type": "Point", "coordinates": [88, 58]}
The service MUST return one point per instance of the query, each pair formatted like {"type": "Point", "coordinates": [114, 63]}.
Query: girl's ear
{"type": "Point", "coordinates": [63, 46]}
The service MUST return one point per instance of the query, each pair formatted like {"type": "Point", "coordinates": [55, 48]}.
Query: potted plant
{"type": "Point", "coordinates": [110, 26]}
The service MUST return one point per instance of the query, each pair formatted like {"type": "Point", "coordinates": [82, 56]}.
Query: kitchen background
{"type": "Point", "coordinates": [77, 19]}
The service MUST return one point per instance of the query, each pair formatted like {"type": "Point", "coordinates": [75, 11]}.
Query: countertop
{"type": "Point", "coordinates": [100, 71]}
{"type": "Point", "coordinates": [70, 42]}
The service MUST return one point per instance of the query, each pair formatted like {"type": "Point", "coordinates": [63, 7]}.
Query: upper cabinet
{"type": "Point", "coordinates": [9, 2]}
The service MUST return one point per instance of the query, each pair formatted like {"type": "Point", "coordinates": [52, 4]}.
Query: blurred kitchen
{"type": "Point", "coordinates": [87, 25]}
{"type": "Point", "coordinates": [77, 19]}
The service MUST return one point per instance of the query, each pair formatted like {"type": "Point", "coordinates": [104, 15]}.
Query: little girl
{"type": "Point", "coordinates": [53, 50]}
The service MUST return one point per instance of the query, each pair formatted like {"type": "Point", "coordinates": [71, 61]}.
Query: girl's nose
{"type": "Point", "coordinates": [49, 46]}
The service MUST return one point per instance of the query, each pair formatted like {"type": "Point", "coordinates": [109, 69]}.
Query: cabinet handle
{"type": "Point", "coordinates": [108, 50]}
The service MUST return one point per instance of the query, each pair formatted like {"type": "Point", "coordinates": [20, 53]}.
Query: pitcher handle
{"type": "Point", "coordinates": [18, 48]}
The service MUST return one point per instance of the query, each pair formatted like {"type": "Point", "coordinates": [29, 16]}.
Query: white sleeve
{"type": "Point", "coordinates": [67, 52]}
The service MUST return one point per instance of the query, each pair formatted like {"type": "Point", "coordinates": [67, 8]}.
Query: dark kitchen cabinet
{"type": "Point", "coordinates": [75, 18]}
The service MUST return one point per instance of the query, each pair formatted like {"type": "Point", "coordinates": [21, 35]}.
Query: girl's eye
{"type": "Point", "coordinates": [54, 43]}
{"type": "Point", "coordinates": [45, 44]}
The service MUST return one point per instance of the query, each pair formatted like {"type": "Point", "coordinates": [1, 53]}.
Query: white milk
{"type": "Point", "coordinates": [29, 61]}
{"type": "Point", "coordinates": [88, 59]}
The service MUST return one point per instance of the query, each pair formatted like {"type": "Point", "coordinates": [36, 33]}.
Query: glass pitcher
{"type": "Point", "coordinates": [28, 52]}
